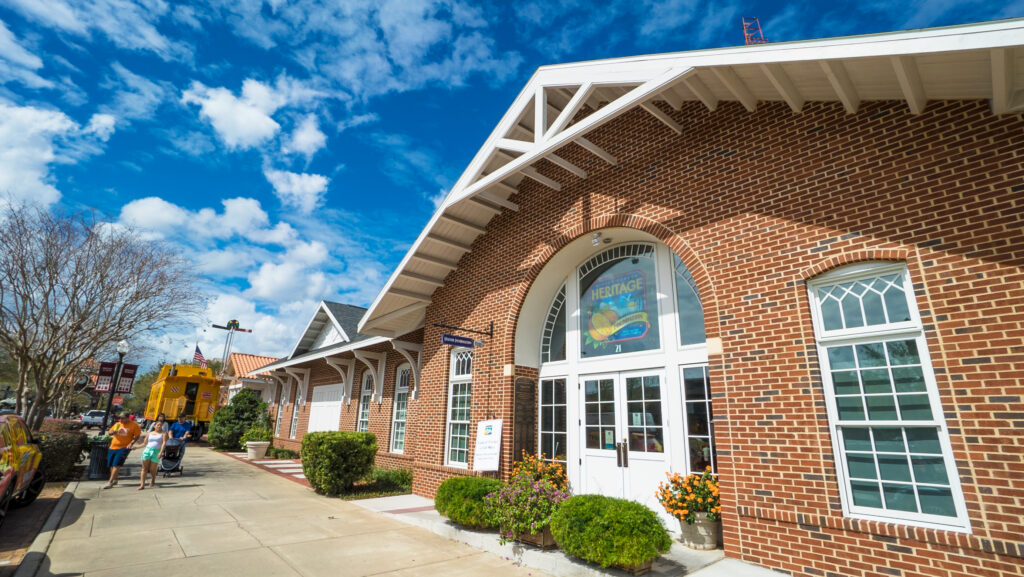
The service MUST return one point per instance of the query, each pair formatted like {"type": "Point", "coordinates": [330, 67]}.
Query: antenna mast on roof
{"type": "Point", "coordinates": [752, 32]}
{"type": "Point", "coordinates": [231, 328]}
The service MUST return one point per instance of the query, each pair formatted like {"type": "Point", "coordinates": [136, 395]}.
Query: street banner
{"type": "Point", "coordinates": [105, 376]}
{"type": "Point", "coordinates": [124, 384]}
{"type": "Point", "coordinates": [488, 445]}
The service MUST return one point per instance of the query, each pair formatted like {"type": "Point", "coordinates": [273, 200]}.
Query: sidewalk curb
{"type": "Point", "coordinates": [30, 564]}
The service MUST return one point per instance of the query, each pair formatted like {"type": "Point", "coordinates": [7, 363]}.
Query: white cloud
{"type": "Point", "coordinates": [286, 281]}
{"type": "Point", "coordinates": [241, 217]}
{"type": "Point", "coordinates": [239, 122]}
{"type": "Point", "coordinates": [135, 97]}
{"type": "Point", "coordinates": [129, 25]}
{"type": "Point", "coordinates": [18, 63]}
{"type": "Point", "coordinates": [306, 139]}
{"type": "Point", "coordinates": [32, 139]}
{"type": "Point", "coordinates": [301, 191]}
{"type": "Point", "coordinates": [226, 263]}
{"type": "Point", "coordinates": [358, 120]}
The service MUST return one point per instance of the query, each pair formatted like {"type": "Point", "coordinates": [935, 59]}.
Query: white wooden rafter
{"type": "Point", "coordinates": [376, 373]}
{"type": "Point", "coordinates": [597, 151]}
{"type": "Point", "coordinates": [410, 350]}
{"type": "Point", "coordinates": [402, 311]}
{"type": "Point", "coordinates": [735, 84]}
{"type": "Point", "coordinates": [481, 203]}
{"type": "Point", "coordinates": [532, 174]}
{"type": "Point", "coordinates": [489, 197]}
{"type": "Point", "coordinates": [435, 261]}
{"type": "Point", "coordinates": [909, 78]}
{"type": "Point", "coordinates": [701, 91]}
{"type": "Point", "coordinates": [448, 242]}
{"type": "Point", "coordinates": [784, 86]}
{"type": "Point", "coordinates": [1002, 79]}
{"type": "Point", "coordinates": [672, 98]}
{"type": "Point", "coordinates": [559, 161]}
{"type": "Point", "coordinates": [346, 369]}
{"type": "Point", "coordinates": [660, 115]}
{"type": "Point", "coordinates": [841, 84]}
{"type": "Point", "coordinates": [301, 377]}
{"type": "Point", "coordinates": [540, 114]}
{"type": "Point", "coordinates": [423, 278]}
{"type": "Point", "coordinates": [411, 295]}
{"type": "Point", "coordinates": [463, 223]}
{"type": "Point", "coordinates": [513, 145]}
{"type": "Point", "coordinates": [570, 110]}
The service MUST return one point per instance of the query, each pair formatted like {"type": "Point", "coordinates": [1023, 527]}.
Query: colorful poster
{"type": "Point", "coordinates": [620, 310]}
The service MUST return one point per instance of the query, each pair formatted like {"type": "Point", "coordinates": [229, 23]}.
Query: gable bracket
{"type": "Point", "coordinates": [301, 377]}
{"type": "Point", "coordinates": [376, 373]}
{"type": "Point", "coordinates": [409, 350]}
{"type": "Point", "coordinates": [346, 368]}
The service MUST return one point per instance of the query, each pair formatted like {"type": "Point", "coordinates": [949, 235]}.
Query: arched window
{"type": "Point", "coordinates": [688, 307]}
{"type": "Point", "coordinates": [552, 346]}
{"type": "Point", "coordinates": [363, 425]}
{"type": "Point", "coordinates": [402, 376]}
{"type": "Point", "coordinates": [618, 301]}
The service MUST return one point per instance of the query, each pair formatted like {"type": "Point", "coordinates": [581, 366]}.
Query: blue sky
{"type": "Point", "coordinates": [294, 150]}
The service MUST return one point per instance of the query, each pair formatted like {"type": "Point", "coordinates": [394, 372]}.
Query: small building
{"type": "Point", "coordinates": [237, 376]}
{"type": "Point", "coordinates": [799, 264]}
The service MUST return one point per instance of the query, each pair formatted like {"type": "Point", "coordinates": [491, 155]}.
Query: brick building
{"type": "Point", "coordinates": [797, 263]}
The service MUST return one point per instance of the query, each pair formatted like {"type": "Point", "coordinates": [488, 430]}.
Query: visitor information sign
{"type": "Point", "coordinates": [488, 445]}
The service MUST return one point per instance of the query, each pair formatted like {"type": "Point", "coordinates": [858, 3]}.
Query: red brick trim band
{"type": "Point", "coordinates": [934, 536]}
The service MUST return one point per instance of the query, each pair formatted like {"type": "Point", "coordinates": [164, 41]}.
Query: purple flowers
{"type": "Point", "coordinates": [524, 506]}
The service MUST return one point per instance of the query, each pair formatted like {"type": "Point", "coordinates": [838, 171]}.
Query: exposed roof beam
{"type": "Point", "coordinates": [481, 203]}
{"type": "Point", "coordinates": [1002, 80]}
{"type": "Point", "coordinates": [463, 223]}
{"type": "Point", "coordinates": [513, 145]}
{"type": "Point", "coordinates": [693, 82]}
{"type": "Point", "coordinates": [784, 85]}
{"type": "Point", "coordinates": [400, 312]}
{"type": "Point", "coordinates": [664, 118]}
{"type": "Point", "coordinates": [423, 278]}
{"type": "Point", "coordinates": [570, 110]}
{"type": "Point", "coordinates": [410, 295]}
{"type": "Point", "coordinates": [489, 197]}
{"type": "Point", "coordinates": [448, 241]}
{"type": "Point", "coordinates": [735, 85]}
{"type": "Point", "coordinates": [540, 114]}
{"type": "Point", "coordinates": [529, 171]}
{"type": "Point", "coordinates": [435, 260]}
{"type": "Point", "coordinates": [596, 150]}
{"type": "Point", "coordinates": [567, 165]}
{"type": "Point", "coordinates": [674, 99]}
{"type": "Point", "coordinates": [505, 187]}
{"type": "Point", "coordinates": [910, 82]}
{"type": "Point", "coordinates": [840, 81]}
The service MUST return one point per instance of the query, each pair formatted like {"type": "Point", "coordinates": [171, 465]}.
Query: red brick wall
{"type": "Point", "coordinates": [756, 204]}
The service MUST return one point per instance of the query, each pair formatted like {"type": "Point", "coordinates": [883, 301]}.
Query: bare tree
{"type": "Point", "coordinates": [71, 286]}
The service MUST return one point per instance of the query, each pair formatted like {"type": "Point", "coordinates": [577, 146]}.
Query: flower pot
{"type": "Point", "coordinates": [544, 539]}
{"type": "Point", "coordinates": [701, 534]}
{"type": "Point", "coordinates": [635, 569]}
{"type": "Point", "coordinates": [257, 449]}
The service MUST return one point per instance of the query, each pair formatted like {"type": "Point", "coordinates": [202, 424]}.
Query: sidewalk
{"type": "Point", "coordinates": [225, 518]}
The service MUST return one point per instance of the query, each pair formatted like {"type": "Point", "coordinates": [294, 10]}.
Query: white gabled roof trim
{"type": "Point", "coordinates": [538, 123]}
{"type": "Point", "coordinates": [327, 352]}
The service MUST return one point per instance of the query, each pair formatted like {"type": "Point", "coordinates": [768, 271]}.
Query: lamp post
{"type": "Point", "coordinates": [122, 350]}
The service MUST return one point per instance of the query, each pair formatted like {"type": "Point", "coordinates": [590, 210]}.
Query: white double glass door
{"type": "Point", "coordinates": [624, 444]}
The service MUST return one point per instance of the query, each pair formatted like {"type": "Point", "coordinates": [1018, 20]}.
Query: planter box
{"type": "Point", "coordinates": [544, 539]}
{"type": "Point", "coordinates": [257, 449]}
{"type": "Point", "coordinates": [701, 534]}
{"type": "Point", "coordinates": [635, 569]}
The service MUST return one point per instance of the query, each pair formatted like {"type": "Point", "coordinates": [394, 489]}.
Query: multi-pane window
{"type": "Point", "coordinates": [892, 448]}
{"type": "Point", "coordinates": [459, 399]}
{"type": "Point", "coordinates": [363, 424]}
{"type": "Point", "coordinates": [552, 419]}
{"type": "Point", "coordinates": [599, 408]}
{"type": "Point", "coordinates": [688, 307]}
{"type": "Point", "coordinates": [404, 373]}
{"type": "Point", "coordinates": [700, 432]}
{"type": "Point", "coordinates": [552, 346]}
{"type": "Point", "coordinates": [295, 415]}
{"type": "Point", "coordinates": [643, 414]}
{"type": "Point", "coordinates": [280, 412]}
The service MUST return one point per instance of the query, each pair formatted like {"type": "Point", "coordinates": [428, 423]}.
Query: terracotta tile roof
{"type": "Point", "coordinates": [241, 364]}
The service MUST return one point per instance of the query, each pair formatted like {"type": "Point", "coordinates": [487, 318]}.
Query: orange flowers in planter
{"type": "Point", "coordinates": [685, 496]}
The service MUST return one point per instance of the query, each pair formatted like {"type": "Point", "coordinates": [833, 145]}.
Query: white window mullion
{"type": "Point", "coordinates": [363, 424]}
{"type": "Point", "coordinates": [460, 385]}
{"type": "Point", "coordinates": [400, 409]}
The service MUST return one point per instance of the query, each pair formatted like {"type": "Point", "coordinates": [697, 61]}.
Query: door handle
{"type": "Point", "coordinates": [625, 454]}
{"type": "Point", "coordinates": [618, 454]}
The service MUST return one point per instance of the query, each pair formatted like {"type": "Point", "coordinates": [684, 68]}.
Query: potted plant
{"type": "Point", "coordinates": [693, 499]}
{"type": "Point", "coordinates": [522, 509]}
{"type": "Point", "coordinates": [257, 439]}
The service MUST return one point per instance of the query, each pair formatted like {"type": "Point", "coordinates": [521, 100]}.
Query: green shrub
{"type": "Point", "coordinates": [52, 425]}
{"type": "Point", "coordinates": [261, 430]}
{"type": "Point", "coordinates": [334, 460]}
{"type": "Point", "coordinates": [461, 499]}
{"type": "Point", "coordinates": [232, 421]}
{"type": "Point", "coordinates": [275, 453]}
{"type": "Point", "coordinates": [61, 451]}
{"type": "Point", "coordinates": [390, 479]}
{"type": "Point", "coordinates": [609, 531]}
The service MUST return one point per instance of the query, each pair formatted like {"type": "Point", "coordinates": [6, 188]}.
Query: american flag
{"type": "Point", "coordinates": [199, 357]}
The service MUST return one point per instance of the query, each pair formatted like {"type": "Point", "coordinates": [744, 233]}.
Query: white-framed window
{"type": "Point", "coordinates": [700, 428]}
{"type": "Point", "coordinates": [295, 416]}
{"type": "Point", "coordinates": [365, 397]}
{"type": "Point", "coordinates": [894, 461]}
{"type": "Point", "coordinates": [402, 376]}
{"type": "Point", "coordinates": [553, 421]}
{"type": "Point", "coordinates": [460, 386]}
{"type": "Point", "coordinates": [280, 412]}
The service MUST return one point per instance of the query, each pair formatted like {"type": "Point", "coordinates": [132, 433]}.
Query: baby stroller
{"type": "Point", "coordinates": [174, 451]}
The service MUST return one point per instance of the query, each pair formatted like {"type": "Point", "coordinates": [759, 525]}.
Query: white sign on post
{"type": "Point", "coordinates": [488, 445]}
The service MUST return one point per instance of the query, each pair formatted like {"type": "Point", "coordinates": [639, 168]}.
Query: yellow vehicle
{"type": "Point", "coordinates": [185, 390]}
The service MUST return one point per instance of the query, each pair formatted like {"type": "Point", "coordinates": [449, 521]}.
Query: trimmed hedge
{"type": "Point", "coordinates": [61, 451]}
{"type": "Point", "coordinates": [334, 460]}
{"type": "Point", "coordinates": [609, 531]}
{"type": "Point", "coordinates": [390, 479]}
{"type": "Point", "coordinates": [234, 419]}
{"type": "Point", "coordinates": [275, 453]}
{"type": "Point", "coordinates": [461, 499]}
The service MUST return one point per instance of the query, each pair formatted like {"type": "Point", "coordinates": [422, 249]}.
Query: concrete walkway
{"type": "Point", "coordinates": [226, 518]}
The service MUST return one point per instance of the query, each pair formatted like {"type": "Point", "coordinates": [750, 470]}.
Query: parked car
{"type": "Point", "coordinates": [21, 481]}
{"type": "Point", "coordinates": [93, 418]}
